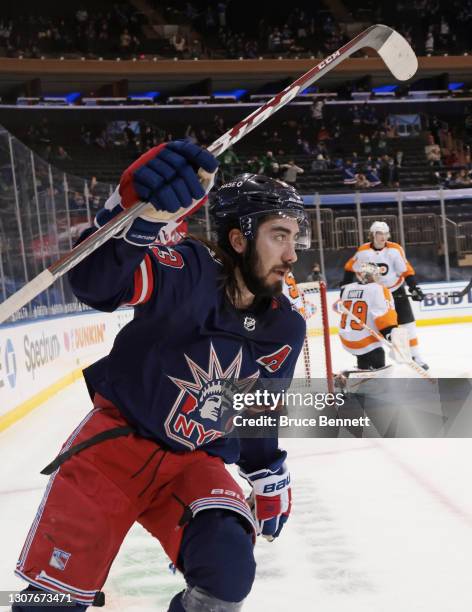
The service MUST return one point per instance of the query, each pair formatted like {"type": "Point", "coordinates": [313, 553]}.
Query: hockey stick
{"type": "Point", "coordinates": [454, 294]}
{"type": "Point", "coordinates": [409, 362]}
{"type": "Point", "coordinates": [394, 50]}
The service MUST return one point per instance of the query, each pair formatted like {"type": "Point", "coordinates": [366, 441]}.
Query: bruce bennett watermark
{"type": "Point", "coordinates": [283, 420]}
{"type": "Point", "coordinates": [265, 401]}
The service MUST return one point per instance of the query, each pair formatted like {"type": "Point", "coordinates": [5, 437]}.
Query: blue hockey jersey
{"type": "Point", "coordinates": [173, 369]}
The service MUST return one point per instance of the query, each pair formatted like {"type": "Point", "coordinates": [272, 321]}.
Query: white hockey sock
{"type": "Point", "coordinates": [413, 339]}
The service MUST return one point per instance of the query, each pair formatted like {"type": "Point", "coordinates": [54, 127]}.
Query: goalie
{"type": "Point", "coordinates": [395, 270]}
{"type": "Point", "coordinates": [373, 304]}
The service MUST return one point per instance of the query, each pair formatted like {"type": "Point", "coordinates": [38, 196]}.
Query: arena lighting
{"type": "Point", "coordinates": [148, 94]}
{"type": "Point", "coordinates": [454, 86]}
{"type": "Point", "coordinates": [385, 89]}
{"type": "Point", "coordinates": [70, 98]}
{"type": "Point", "coordinates": [235, 93]}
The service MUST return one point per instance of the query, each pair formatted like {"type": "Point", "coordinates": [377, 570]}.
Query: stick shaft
{"type": "Point", "coordinates": [395, 52]}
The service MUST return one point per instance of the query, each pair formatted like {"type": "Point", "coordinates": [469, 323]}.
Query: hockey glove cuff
{"type": "Point", "coordinates": [139, 232]}
{"type": "Point", "coordinates": [271, 497]}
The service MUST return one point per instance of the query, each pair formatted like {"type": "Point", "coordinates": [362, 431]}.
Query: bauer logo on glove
{"type": "Point", "coordinates": [271, 497]}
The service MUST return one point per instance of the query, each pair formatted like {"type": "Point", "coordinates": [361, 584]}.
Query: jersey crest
{"type": "Point", "coordinates": [203, 410]}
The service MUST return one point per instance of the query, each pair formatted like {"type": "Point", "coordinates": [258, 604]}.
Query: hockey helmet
{"type": "Point", "coordinates": [368, 273]}
{"type": "Point", "coordinates": [246, 200]}
{"type": "Point", "coordinates": [379, 226]}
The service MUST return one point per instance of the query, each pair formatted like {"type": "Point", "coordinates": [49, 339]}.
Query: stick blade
{"type": "Point", "coordinates": [24, 295]}
{"type": "Point", "coordinates": [398, 56]}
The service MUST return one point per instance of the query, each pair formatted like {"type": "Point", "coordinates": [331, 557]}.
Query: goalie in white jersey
{"type": "Point", "coordinates": [373, 304]}
{"type": "Point", "coordinates": [395, 270]}
{"type": "Point", "coordinates": [291, 291]}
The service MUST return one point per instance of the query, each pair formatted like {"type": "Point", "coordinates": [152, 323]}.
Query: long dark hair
{"type": "Point", "coordinates": [230, 260]}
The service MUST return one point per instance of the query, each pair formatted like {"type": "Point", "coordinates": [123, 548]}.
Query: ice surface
{"type": "Point", "coordinates": [377, 525]}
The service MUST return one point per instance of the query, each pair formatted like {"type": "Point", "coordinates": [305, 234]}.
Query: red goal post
{"type": "Point", "coordinates": [316, 354]}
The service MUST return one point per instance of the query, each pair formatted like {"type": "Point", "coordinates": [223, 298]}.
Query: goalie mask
{"type": "Point", "coordinates": [249, 199]}
{"type": "Point", "coordinates": [368, 273]}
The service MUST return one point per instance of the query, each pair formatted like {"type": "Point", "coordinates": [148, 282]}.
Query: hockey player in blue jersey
{"type": "Point", "coordinates": [209, 320]}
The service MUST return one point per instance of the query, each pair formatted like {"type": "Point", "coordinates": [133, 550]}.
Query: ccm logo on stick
{"type": "Point", "coordinates": [328, 60]}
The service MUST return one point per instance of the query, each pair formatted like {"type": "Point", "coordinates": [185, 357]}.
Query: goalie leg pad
{"type": "Point", "coordinates": [217, 558]}
{"type": "Point", "coordinates": [400, 343]}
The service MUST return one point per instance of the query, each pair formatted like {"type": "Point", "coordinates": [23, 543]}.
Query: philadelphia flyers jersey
{"type": "Point", "coordinates": [292, 292]}
{"type": "Point", "coordinates": [373, 305]}
{"type": "Point", "coordinates": [173, 369]}
{"type": "Point", "coordinates": [394, 267]}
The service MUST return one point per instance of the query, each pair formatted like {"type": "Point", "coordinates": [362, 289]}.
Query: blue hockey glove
{"type": "Point", "coordinates": [271, 497]}
{"type": "Point", "coordinates": [167, 176]}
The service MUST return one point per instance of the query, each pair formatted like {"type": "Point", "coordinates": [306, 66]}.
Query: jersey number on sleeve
{"type": "Point", "coordinates": [168, 257]}
{"type": "Point", "coordinates": [359, 309]}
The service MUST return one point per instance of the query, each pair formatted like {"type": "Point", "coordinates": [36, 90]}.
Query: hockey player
{"type": "Point", "coordinates": [292, 292]}
{"type": "Point", "coordinates": [208, 321]}
{"type": "Point", "coordinates": [395, 270]}
{"type": "Point", "coordinates": [373, 304]}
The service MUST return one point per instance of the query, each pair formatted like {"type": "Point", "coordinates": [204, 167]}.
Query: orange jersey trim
{"type": "Point", "coordinates": [389, 319]}
{"type": "Point", "coordinates": [357, 344]}
{"type": "Point", "coordinates": [409, 268]}
{"type": "Point", "coordinates": [350, 262]}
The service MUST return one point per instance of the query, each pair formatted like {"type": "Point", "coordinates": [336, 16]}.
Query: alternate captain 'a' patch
{"type": "Point", "coordinates": [203, 410]}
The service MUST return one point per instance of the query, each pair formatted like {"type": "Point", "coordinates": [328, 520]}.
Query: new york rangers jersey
{"type": "Point", "coordinates": [373, 305]}
{"type": "Point", "coordinates": [394, 266]}
{"type": "Point", "coordinates": [173, 369]}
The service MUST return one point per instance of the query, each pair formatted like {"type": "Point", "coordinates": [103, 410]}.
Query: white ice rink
{"type": "Point", "coordinates": [377, 525]}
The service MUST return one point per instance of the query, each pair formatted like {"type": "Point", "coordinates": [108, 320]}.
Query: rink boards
{"type": "Point", "coordinates": [39, 359]}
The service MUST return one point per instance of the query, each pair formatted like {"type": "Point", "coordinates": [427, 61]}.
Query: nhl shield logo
{"type": "Point", "coordinates": [249, 323]}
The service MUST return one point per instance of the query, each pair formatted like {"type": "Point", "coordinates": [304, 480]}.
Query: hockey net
{"type": "Point", "coordinates": [315, 359]}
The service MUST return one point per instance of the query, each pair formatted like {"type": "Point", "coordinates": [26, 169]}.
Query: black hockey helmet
{"type": "Point", "coordinates": [248, 198]}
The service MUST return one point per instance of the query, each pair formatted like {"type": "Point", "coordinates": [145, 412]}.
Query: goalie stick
{"type": "Point", "coordinates": [394, 50]}
{"type": "Point", "coordinates": [409, 362]}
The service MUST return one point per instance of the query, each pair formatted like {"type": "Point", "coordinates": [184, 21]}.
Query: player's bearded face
{"type": "Point", "coordinates": [268, 259]}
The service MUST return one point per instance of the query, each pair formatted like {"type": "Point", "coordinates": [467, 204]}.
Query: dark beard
{"type": "Point", "coordinates": [249, 263]}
